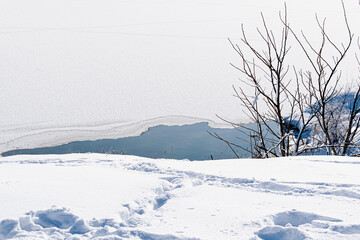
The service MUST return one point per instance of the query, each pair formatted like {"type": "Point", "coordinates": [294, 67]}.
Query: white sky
{"type": "Point", "coordinates": [68, 62]}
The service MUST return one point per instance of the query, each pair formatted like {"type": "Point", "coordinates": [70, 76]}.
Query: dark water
{"type": "Point", "coordinates": [178, 142]}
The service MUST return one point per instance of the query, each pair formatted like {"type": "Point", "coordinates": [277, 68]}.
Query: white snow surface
{"type": "Point", "coordinates": [96, 196]}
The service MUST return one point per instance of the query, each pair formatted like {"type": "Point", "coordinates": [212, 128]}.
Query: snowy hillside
{"type": "Point", "coordinates": [82, 196]}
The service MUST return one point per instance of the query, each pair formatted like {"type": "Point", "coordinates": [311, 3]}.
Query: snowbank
{"type": "Point", "coordinates": [81, 196]}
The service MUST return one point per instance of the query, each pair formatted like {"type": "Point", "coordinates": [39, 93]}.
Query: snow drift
{"type": "Point", "coordinates": [83, 196]}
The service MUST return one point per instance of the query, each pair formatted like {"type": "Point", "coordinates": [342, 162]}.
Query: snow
{"type": "Point", "coordinates": [45, 135]}
{"type": "Point", "coordinates": [95, 69]}
{"type": "Point", "coordinates": [82, 196]}
{"type": "Point", "coordinates": [72, 69]}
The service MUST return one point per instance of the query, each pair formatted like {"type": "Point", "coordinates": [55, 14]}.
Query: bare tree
{"type": "Point", "coordinates": [336, 108]}
{"type": "Point", "coordinates": [286, 107]}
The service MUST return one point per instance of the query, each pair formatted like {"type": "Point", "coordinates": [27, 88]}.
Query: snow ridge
{"type": "Point", "coordinates": [62, 224]}
{"type": "Point", "coordinates": [287, 188]}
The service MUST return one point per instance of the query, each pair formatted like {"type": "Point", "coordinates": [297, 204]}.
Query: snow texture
{"type": "Point", "coordinates": [296, 218]}
{"type": "Point", "coordinates": [94, 196]}
{"type": "Point", "coordinates": [280, 233]}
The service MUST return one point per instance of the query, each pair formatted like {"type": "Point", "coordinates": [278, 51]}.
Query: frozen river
{"type": "Point", "coordinates": [177, 142]}
{"type": "Point", "coordinates": [85, 70]}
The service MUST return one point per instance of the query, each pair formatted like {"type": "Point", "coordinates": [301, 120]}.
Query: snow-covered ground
{"type": "Point", "coordinates": [82, 196]}
{"type": "Point", "coordinates": [93, 69]}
